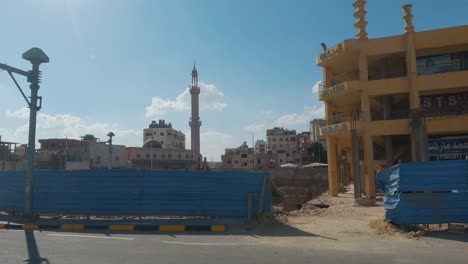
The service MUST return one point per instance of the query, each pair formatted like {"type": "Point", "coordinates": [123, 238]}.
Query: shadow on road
{"type": "Point", "coordinates": [462, 237]}
{"type": "Point", "coordinates": [33, 252]}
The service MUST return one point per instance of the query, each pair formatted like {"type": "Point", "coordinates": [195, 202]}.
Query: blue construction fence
{"type": "Point", "coordinates": [139, 192]}
{"type": "Point", "coordinates": [425, 192]}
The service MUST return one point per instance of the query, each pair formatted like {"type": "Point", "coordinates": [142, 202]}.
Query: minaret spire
{"type": "Point", "coordinates": [195, 122]}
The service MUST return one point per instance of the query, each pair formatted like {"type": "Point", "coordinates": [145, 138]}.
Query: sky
{"type": "Point", "coordinates": [116, 65]}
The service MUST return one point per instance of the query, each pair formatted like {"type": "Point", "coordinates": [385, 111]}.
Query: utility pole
{"type": "Point", "coordinates": [36, 56]}
{"type": "Point", "coordinates": [110, 135]}
{"type": "Point", "coordinates": [253, 152]}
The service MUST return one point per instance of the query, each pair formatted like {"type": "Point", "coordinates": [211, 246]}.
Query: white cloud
{"type": "Point", "coordinates": [302, 118]}
{"type": "Point", "coordinates": [21, 113]}
{"type": "Point", "coordinates": [315, 88]}
{"type": "Point", "coordinates": [213, 144]}
{"type": "Point", "coordinates": [211, 98]}
{"type": "Point", "coordinates": [66, 125]}
{"type": "Point", "coordinates": [255, 128]}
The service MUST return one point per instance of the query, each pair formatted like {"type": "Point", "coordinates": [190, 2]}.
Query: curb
{"type": "Point", "coordinates": [119, 228]}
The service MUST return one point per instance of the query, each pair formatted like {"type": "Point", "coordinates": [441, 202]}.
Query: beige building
{"type": "Point", "coordinates": [315, 136]}
{"type": "Point", "coordinates": [245, 158]}
{"type": "Point", "coordinates": [400, 98]}
{"type": "Point", "coordinates": [152, 156]}
{"type": "Point", "coordinates": [283, 142]}
{"type": "Point", "coordinates": [72, 154]}
{"type": "Point", "coordinates": [261, 146]}
{"type": "Point", "coordinates": [163, 148]}
{"type": "Point", "coordinates": [164, 134]}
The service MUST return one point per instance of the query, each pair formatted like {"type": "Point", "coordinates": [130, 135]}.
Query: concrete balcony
{"type": "Point", "coordinates": [338, 86]}
{"type": "Point", "coordinates": [447, 80]}
{"type": "Point", "coordinates": [390, 127]}
{"type": "Point", "coordinates": [447, 124]}
{"type": "Point", "coordinates": [340, 125]}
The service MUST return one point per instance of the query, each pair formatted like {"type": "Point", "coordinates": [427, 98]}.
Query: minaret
{"type": "Point", "coordinates": [195, 122]}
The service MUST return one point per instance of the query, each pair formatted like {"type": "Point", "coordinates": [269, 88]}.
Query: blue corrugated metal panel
{"type": "Point", "coordinates": [426, 208]}
{"type": "Point", "coordinates": [424, 176]}
{"type": "Point", "coordinates": [136, 192]}
{"type": "Point", "coordinates": [12, 190]}
{"type": "Point", "coordinates": [426, 192]}
{"type": "Point", "coordinates": [434, 175]}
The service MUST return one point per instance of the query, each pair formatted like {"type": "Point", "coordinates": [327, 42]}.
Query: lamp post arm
{"type": "Point", "coordinates": [19, 88]}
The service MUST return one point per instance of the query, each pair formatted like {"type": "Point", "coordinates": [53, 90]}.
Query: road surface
{"type": "Point", "coordinates": [18, 246]}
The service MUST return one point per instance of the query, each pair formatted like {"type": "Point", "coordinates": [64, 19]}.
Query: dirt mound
{"type": "Point", "coordinates": [383, 227]}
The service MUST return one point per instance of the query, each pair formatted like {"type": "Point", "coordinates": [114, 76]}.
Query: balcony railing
{"type": "Point", "coordinates": [345, 77]}
{"type": "Point", "coordinates": [341, 118]}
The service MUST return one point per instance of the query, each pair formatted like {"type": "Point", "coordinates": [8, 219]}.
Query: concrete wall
{"type": "Point", "coordinates": [297, 186]}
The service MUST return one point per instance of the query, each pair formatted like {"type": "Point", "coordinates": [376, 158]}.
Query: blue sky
{"type": "Point", "coordinates": [117, 65]}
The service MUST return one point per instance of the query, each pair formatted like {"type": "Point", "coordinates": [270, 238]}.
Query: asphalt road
{"type": "Point", "coordinates": [18, 246]}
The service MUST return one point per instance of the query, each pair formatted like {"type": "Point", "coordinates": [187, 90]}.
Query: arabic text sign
{"type": "Point", "coordinates": [448, 146]}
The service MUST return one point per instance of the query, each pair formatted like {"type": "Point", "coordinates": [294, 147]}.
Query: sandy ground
{"type": "Point", "coordinates": [348, 226]}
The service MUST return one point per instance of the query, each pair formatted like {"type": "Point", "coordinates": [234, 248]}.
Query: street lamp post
{"type": "Point", "coordinates": [36, 56]}
{"type": "Point", "coordinates": [110, 135]}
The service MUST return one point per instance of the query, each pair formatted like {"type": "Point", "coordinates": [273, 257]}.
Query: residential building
{"type": "Point", "coordinates": [303, 141]}
{"type": "Point", "coordinates": [261, 146]}
{"type": "Point", "coordinates": [283, 142]}
{"type": "Point", "coordinates": [9, 158]}
{"type": "Point", "coordinates": [73, 154]}
{"type": "Point", "coordinates": [163, 148]}
{"type": "Point", "coordinates": [242, 157]}
{"type": "Point", "coordinates": [247, 158]}
{"type": "Point", "coordinates": [151, 156]}
{"type": "Point", "coordinates": [164, 134]}
{"type": "Point", "coordinates": [398, 98]}
{"type": "Point", "coordinates": [315, 135]}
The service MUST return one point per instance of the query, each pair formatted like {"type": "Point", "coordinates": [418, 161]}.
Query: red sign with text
{"type": "Point", "coordinates": [445, 104]}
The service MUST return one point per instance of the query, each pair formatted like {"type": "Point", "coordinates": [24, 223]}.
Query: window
{"type": "Point", "coordinates": [274, 139]}
{"type": "Point", "coordinates": [148, 134]}
{"type": "Point", "coordinates": [180, 156]}
{"type": "Point", "coordinates": [147, 156]}
{"type": "Point", "coordinates": [252, 161]}
{"type": "Point", "coordinates": [287, 155]}
{"type": "Point", "coordinates": [281, 161]}
{"type": "Point", "coordinates": [163, 155]}
{"type": "Point", "coordinates": [191, 156]}
{"type": "Point", "coordinates": [117, 158]}
{"type": "Point", "coordinates": [281, 145]}
{"type": "Point", "coordinates": [98, 160]}
{"type": "Point", "coordinates": [259, 161]}
{"type": "Point", "coordinates": [274, 146]}
{"type": "Point", "coordinates": [244, 164]}
{"type": "Point", "coordinates": [293, 138]}
{"type": "Point", "coordinates": [186, 156]}
{"type": "Point", "coordinates": [162, 133]}
{"type": "Point", "coordinates": [243, 156]}
{"type": "Point", "coordinates": [137, 155]}
{"type": "Point", "coordinates": [155, 156]}
{"type": "Point", "coordinates": [281, 139]}
{"type": "Point", "coordinates": [287, 139]}
{"type": "Point", "coordinates": [236, 162]}
{"type": "Point", "coordinates": [169, 156]}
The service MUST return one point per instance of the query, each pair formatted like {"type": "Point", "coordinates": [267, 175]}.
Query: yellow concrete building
{"type": "Point", "coordinates": [393, 99]}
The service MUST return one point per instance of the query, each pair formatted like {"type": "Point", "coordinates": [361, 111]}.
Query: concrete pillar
{"type": "Point", "coordinates": [365, 109]}
{"type": "Point", "coordinates": [355, 163]}
{"type": "Point", "coordinates": [411, 70]}
{"type": "Point", "coordinates": [332, 167]}
{"type": "Point", "coordinates": [387, 104]}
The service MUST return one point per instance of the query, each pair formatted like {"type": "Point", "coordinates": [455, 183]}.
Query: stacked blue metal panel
{"type": "Point", "coordinates": [425, 192]}
{"type": "Point", "coordinates": [138, 192]}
